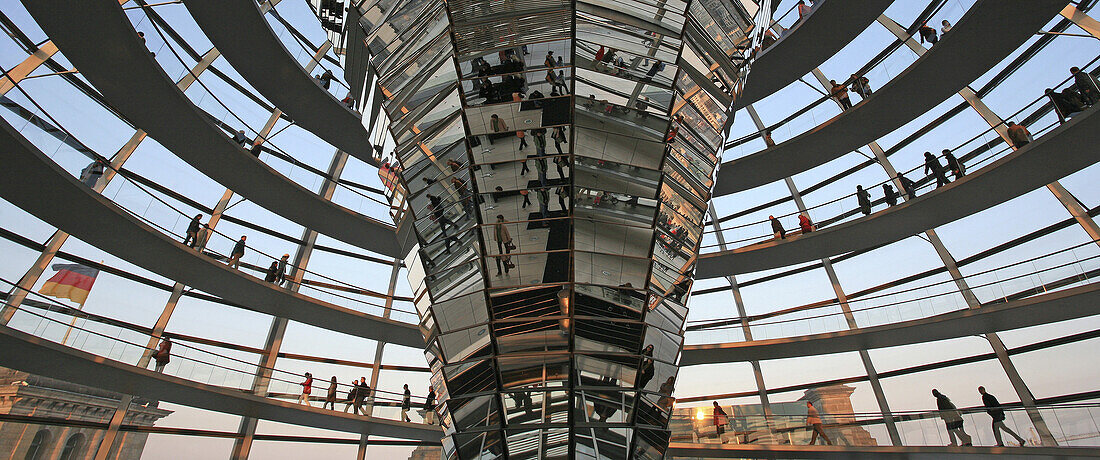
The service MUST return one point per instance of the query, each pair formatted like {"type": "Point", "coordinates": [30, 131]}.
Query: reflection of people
{"type": "Point", "coordinates": [544, 204]}
{"type": "Point", "coordinates": [526, 198]}
{"type": "Point", "coordinates": [504, 245]}
{"type": "Point", "coordinates": [559, 138]}
{"type": "Point", "coordinates": [666, 390]}
{"type": "Point", "coordinates": [646, 371]}
{"type": "Point", "coordinates": [90, 175]}
{"type": "Point", "coordinates": [562, 192]}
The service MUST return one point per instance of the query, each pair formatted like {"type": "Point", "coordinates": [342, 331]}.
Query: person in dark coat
{"type": "Point", "coordinates": [272, 275]}
{"type": "Point", "coordinates": [193, 231]}
{"type": "Point", "coordinates": [330, 397]}
{"type": "Point", "coordinates": [928, 34]}
{"type": "Point", "coordinates": [777, 228]}
{"type": "Point", "coordinates": [237, 253]}
{"type": "Point", "coordinates": [932, 165]}
{"type": "Point", "coordinates": [1086, 85]}
{"type": "Point", "coordinates": [954, 164]}
{"type": "Point", "coordinates": [908, 186]}
{"type": "Point", "coordinates": [353, 396]}
{"type": "Point", "coordinates": [280, 272]}
{"type": "Point", "coordinates": [993, 408]}
{"type": "Point", "coordinates": [1067, 103]}
{"type": "Point", "coordinates": [406, 404]}
{"type": "Point", "coordinates": [952, 418]}
{"type": "Point", "coordinates": [864, 200]}
{"type": "Point", "coordinates": [241, 139]}
{"type": "Point", "coordinates": [429, 407]}
{"type": "Point", "coordinates": [720, 420]}
{"type": "Point", "coordinates": [890, 194]}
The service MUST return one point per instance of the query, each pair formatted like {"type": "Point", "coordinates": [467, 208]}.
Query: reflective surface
{"type": "Point", "coordinates": [557, 158]}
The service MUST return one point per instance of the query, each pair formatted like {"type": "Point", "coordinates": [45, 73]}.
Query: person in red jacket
{"type": "Point", "coordinates": [805, 224]}
{"type": "Point", "coordinates": [720, 421]}
{"type": "Point", "coordinates": [307, 387]}
{"type": "Point", "coordinates": [163, 354]}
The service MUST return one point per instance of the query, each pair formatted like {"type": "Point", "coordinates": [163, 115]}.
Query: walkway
{"type": "Point", "coordinates": [830, 27]}
{"type": "Point", "coordinates": [684, 449]}
{"type": "Point", "coordinates": [1049, 308]}
{"type": "Point", "coordinates": [39, 356]}
{"type": "Point", "coordinates": [33, 182]}
{"type": "Point", "coordinates": [1061, 152]}
{"type": "Point", "coordinates": [121, 68]}
{"type": "Point", "coordinates": [240, 32]}
{"type": "Point", "coordinates": [987, 34]}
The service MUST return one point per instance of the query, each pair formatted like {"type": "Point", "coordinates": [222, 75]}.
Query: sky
{"type": "Point", "coordinates": [1048, 372]}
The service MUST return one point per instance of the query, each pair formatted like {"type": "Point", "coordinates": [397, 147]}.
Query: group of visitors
{"type": "Point", "coordinates": [805, 225]}
{"type": "Point", "coordinates": [859, 85]}
{"type": "Point", "coordinates": [953, 420]}
{"type": "Point", "coordinates": [360, 393]}
{"type": "Point", "coordinates": [1075, 99]}
{"type": "Point", "coordinates": [198, 233]}
{"type": "Point", "coordinates": [946, 410]}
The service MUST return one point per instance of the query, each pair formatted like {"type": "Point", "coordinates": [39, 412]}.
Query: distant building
{"type": "Point", "coordinates": [748, 425]}
{"type": "Point", "coordinates": [426, 453]}
{"type": "Point", "coordinates": [25, 394]}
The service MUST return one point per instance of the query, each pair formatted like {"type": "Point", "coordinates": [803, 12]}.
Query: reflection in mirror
{"type": "Point", "coordinates": [535, 370]}
{"type": "Point", "coordinates": [498, 121]}
{"type": "Point", "coordinates": [532, 85]}
{"type": "Point", "coordinates": [617, 147]}
{"type": "Point", "coordinates": [604, 114]}
{"type": "Point", "coordinates": [518, 207]}
{"type": "Point", "coordinates": [610, 270]}
{"type": "Point", "coordinates": [613, 302]}
{"type": "Point", "coordinates": [639, 68]}
{"type": "Point", "coordinates": [531, 57]}
{"type": "Point", "coordinates": [607, 238]}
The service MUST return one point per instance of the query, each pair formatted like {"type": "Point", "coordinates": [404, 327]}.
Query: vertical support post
{"type": "Point", "coordinates": [108, 442]}
{"type": "Point", "coordinates": [758, 374]}
{"type": "Point", "coordinates": [994, 121]}
{"type": "Point", "coordinates": [842, 299]}
{"type": "Point", "coordinates": [247, 430]}
{"type": "Point", "coordinates": [376, 367]}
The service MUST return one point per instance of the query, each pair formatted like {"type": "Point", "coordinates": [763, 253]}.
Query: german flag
{"type": "Point", "coordinates": [72, 281]}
